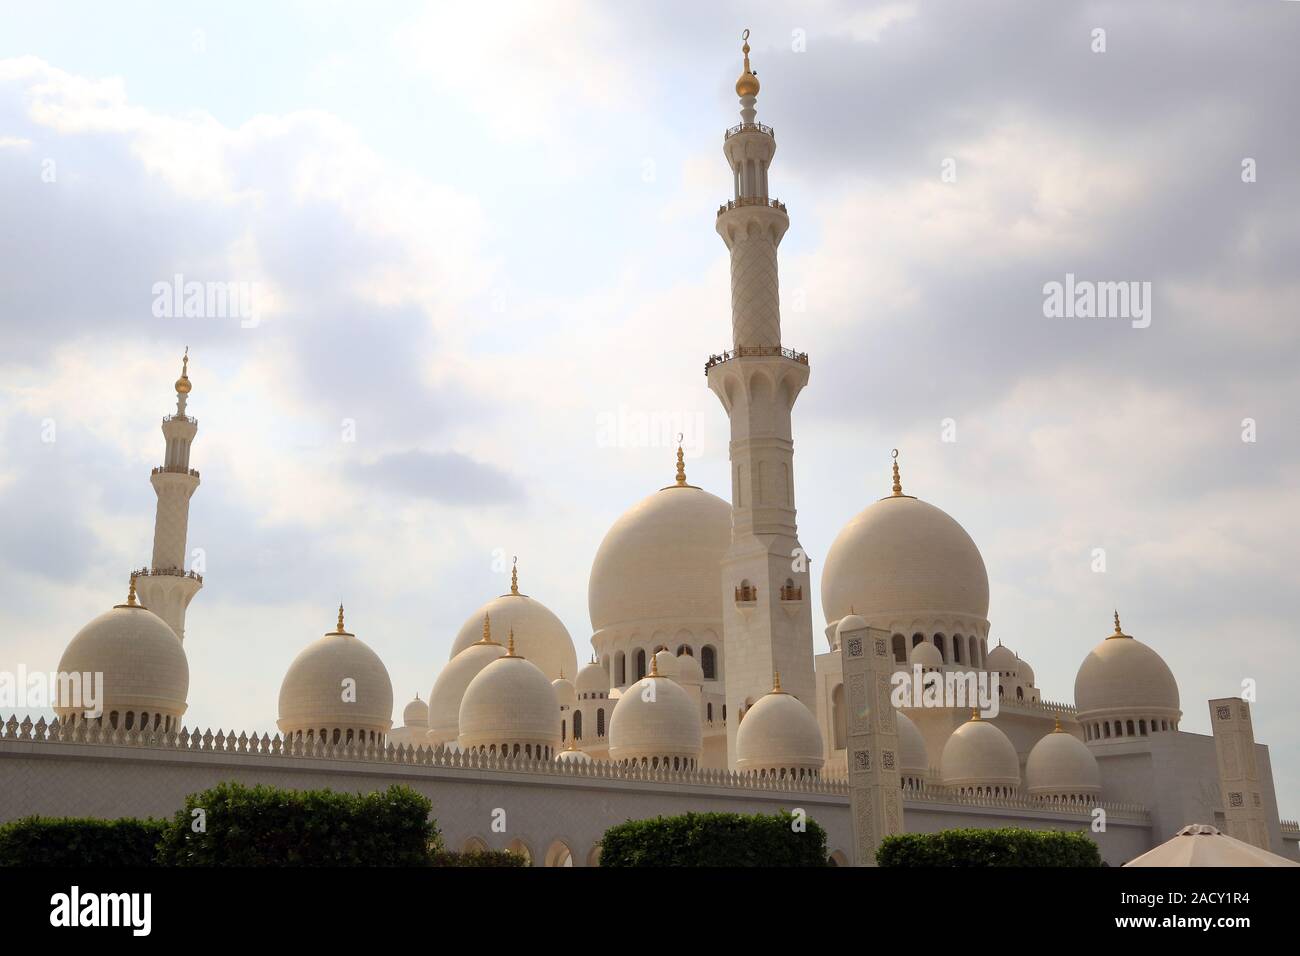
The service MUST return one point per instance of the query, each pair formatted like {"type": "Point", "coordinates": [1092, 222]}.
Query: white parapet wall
{"type": "Point", "coordinates": [540, 806]}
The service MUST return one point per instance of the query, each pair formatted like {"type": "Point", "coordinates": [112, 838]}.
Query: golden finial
{"type": "Point", "coordinates": [1118, 632]}
{"type": "Point", "coordinates": [974, 713]}
{"type": "Point", "coordinates": [183, 383]}
{"type": "Point", "coordinates": [747, 85]}
{"type": "Point", "coordinates": [1058, 726]}
{"type": "Point", "coordinates": [561, 672]}
{"type": "Point", "coordinates": [130, 594]}
{"type": "Point", "coordinates": [654, 666]}
{"type": "Point", "coordinates": [510, 647]}
{"type": "Point", "coordinates": [487, 631]}
{"type": "Point", "coordinates": [514, 576]}
{"type": "Point", "coordinates": [681, 463]}
{"type": "Point", "coordinates": [339, 628]}
{"type": "Point", "coordinates": [776, 681]}
{"type": "Point", "coordinates": [898, 484]}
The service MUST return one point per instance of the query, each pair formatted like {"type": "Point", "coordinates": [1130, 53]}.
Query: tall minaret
{"type": "Point", "coordinates": [164, 587]}
{"type": "Point", "coordinates": [767, 620]}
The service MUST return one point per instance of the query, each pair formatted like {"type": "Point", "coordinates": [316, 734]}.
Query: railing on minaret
{"type": "Point", "coordinates": [758, 380]}
{"type": "Point", "coordinates": [166, 588]}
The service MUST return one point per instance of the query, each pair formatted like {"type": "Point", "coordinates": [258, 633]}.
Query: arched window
{"type": "Point", "coordinates": [600, 722]}
{"type": "Point", "coordinates": [957, 641]}
{"type": "Point", "coordinates": [620, 669]}
{"type": "Point", "coordinates": [917, 639]}
{"type": "Point", "coordinates": [564, 726]}
{"type": "Point", "coordinates": [709, 663]}
{"type": "Point", "coordinates": [838, 717]}
{"type": "Point", "coordinates": [577, 725]}
{"type": "Point", "coordinates": [709, 710]}
{"type": "Point", "coordinates": [685, 649]}
{"type": "Point", "coordinates": [900, 648]}
{"type": "Point", "coordinates": [940, 643]}
{"type": "Point", "coordinates": [1020, 693]}
{"type": "Point", "coordinates": [130, 719]}
{"type": "Point", "coordinates": [1130, 728]}
{"type": "Point", "coordinates": [640, 663]}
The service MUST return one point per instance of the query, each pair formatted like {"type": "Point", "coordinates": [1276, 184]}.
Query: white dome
{"type": "Point", "coordinates": [573, 756]}
{"type": "Point", "coordinates": [1024, 671]}
{"type": "Point", "coordinates": [928, 656]}
{"type": "Point", "coordinates": [666, 662]}
{"type": "Point", "coordinates": [1122, 676]}
{"type": "Point", "coordinates": [662, 559]}
{"type": "Point", "coordinates": [901, 557]}
{"type": "Point", "coordinates": [510, 701]}
{"type": "Point", "coordinates": [979, 755]}
{"type": "Point", "coordinates": [1061, 764]}
{"type": "Point", "coordinates": [689, 671]}
{"type": "Point", "coordinates": [541, 637]}
{"type": "Point", "coordinates": [778, 733]}
{"type": "Point", "coordinates": [416, 713]}
{"type": "Point", "coordinates": [142, 662]}
{"type": "Point", "coordinates": [565, 694]}
{"type": "Point", "coordinates": [592, 679]}
{"type": "Point", "coordinates": [449, 687]}
{"type": "Point", "coordinates": [914, 760]}
{"type": "Point", "coordinates": [312, 694]}
{"type": "Point", "coordinates": [667, 725]}
{"type": "Point", "coordinates": [1001, 659]}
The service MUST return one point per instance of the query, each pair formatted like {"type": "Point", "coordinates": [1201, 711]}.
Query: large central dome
{"type": "Point", "coordinates": [662, 558]}
{"type": "Point", "coordinates": [902, 557]}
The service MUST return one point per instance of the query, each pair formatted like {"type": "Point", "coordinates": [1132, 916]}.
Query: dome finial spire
{"type": "Point", "coordinates": [514, 576]}
{"type": "Point", "coordinates": [183, 383]}
{"type": "Point", "coordinates": [747, 85]}
{"type": "Point", "coordinates": [487, 629]}
{"type": "Point", "coordinates": [654, 666]}
{"type": "Point", "coordinates": [681, 461]}
{"type": "Point", "coordinates": [1058, 729]}
{"type": "Point", "coordinates": [1118, 631]}
{"type": "Point", "coordinates": [974, 713]}
{"type": "Point", "coordinates": [339, 628]}
{"type": "Point", "coordinates": [898, 483]}
{"type": "Point", "coordinates": [130, 593]}
{"type": "Point", "coordinates": [776, 681]}
{"type": "Point", "coordinates": [510, 647]}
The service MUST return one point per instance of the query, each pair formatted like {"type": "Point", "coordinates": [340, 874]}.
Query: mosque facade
{"type": "Point", "coordinates": [704, 688]}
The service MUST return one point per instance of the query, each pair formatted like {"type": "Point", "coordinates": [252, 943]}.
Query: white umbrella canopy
{"type": "Point", "coordinates": [1204, 845]}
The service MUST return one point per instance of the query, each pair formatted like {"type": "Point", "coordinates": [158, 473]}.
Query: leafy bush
{"type": "Point", "coordinates": [1012, 846]}
{"type": "Point", "coordinates": [269, 826]}
{"type": "Point", "coordinates": [715, 839]}
{"type": "Point", "coordinates": [79, 841]}
{"type": "Point", "coordinates": [477, 858]}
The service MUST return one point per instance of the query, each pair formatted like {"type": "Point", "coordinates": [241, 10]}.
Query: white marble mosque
{"type": "Point", "coordinates": [703, 685]}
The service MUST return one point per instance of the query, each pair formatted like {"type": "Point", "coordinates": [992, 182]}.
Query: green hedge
{"type": "Point", "coordinates": [79, 841]}
{"type": "Point", "coordinates": [714, 839]}
{"type": "Point", "coordinates": [477, 858]}
{"type": "Point", "coordinates": [1012, 846]}
{"type": "Point", "coordinates": [269, 826]}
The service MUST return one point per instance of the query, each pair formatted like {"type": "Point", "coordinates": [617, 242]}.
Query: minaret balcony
{"type": "Point", "coordinates": [750, 128]}
{"type": "Point", "coordinates": [180, 418]}
{"type": "Point", "coordinates": [746, 594]}
{"type": "Point", "coordinates": [165, 470]}
{"type": "Point", "coordinates": [792, 592]}
{"type": "Point", "coordinates": [751, 201]}
{"type": "Point", "coordinates": [166, 572]}
{"type": "Point", "coordinates": [755, 351]}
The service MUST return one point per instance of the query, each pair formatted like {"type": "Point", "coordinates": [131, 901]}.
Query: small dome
{"type": "Point", "coordinates": [312, 694]}
{"type": "Point", "coordinates": [666, 662]}
{"type": "Point", "coordinates": [928, 656]}
{"type": "Point", "coordinates": [1001, 659]}
{"type": "Point", "coordinates": [541, 636]}
{"type": "Point", "coordinates": [1024, 671]}
{"type": "Point", "coordinates": [914, 760]}
{"type": "Point", "coordinates": [778, 733]}
{"type": "Point", "coordinates": [565, 693]}
{"type": "Point", "coordinates": [592, 679]}
{"type": "Point", "coordinates": [655, 718]}
{"type": "Point", "coordinates": [902, 557]}
{"type": "Point", "coordinates": [449, 688]}
{"type": "Point", "coordinates": [510, 701]}
{"type": "Point", "coordinates": [416, 714]}
{"type": "Point", "coordinates": [689, 671]}
{"type": "Point", "coordinates": [143, 664]}
{"type": "Point", "coordinates": [979, 755]}
{"type": "Point", "coordinates": [662, 559]}
{"type": "Point", "coordinates": [1123, 676]}
{"type": "Point", "coordinates": [850, 622]}
{"type": "Point", "coordinates": [1061, 765]}
{"type": "Point", "coordinates": [572, 754]}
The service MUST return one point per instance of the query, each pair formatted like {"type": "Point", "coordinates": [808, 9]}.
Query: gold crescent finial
{"type": "Point", "coordinates": [776, 681]}
{"type": "Point", "coordinates": [514, 576]}
{"type": "Point", "coordinates": [339, 628]}
{"type": "Point", "coordinates": [1118, 632]}
{"type": "Point", "coordinates": [681, 462]}
{"type": "Point", "coordinates": [974, 713]}
{"type": "Point", "coordinates": [898, 483]}
{"type": "Point", "coordinates": [747, 85]}
{"type": "Point", "coordinates": [487, 630]}
{"type": "Point", "coordinates": [130, 593]}
{"type": "Point", "coordinates": [654, 666]}
{"type": "Point", "coordinates": [183, 383]}
{"type": "Point", "coordinates": [1058, 726]}
{"type": "Point", "coordinates": [510, 648]}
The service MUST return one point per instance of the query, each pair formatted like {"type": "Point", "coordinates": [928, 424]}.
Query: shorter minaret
{"type": "Point", "coordinates": [165, 587]}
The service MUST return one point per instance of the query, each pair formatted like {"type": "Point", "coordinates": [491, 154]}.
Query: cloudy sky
{"type": "Point", "coordinates": [483, 235]}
